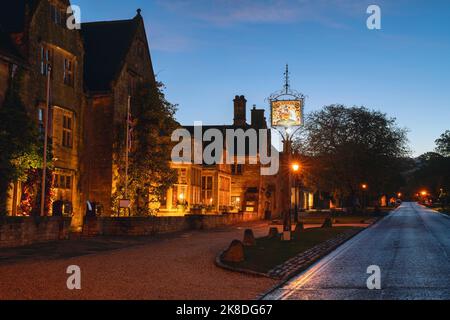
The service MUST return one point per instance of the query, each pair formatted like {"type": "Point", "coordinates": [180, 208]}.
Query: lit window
{"type": "Point", "coordinates": [62, 181]}
{"type": "Point", "coordinates": [207, 189]}
{"type": "Point", "coordinates": [183, 176]}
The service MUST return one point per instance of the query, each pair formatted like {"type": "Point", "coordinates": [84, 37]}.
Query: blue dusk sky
{"type": "Point", "coordinates": [208, 51]}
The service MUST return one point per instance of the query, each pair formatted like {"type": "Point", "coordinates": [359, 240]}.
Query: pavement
{"type": "Point", "coordinates": [411, 247]}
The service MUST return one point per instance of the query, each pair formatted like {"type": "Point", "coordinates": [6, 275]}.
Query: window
{"type": "Point", "coordinates": [67, 131]}
{"type": "Point", "coordinates": [58, 15]}
{"type": "Point", "coordinates": [196, 186]}
{"type": "Point", "coordinates": [182, 176]}
{"type": "Point", "coordinates": [179, 195]}
{"type": "Point", "coordinates": [41, 121]}
{"type": "Point", "coordinates": [62, 181]}
{"type": "Point", "coordinates": [237, 169]}
{"type": "Point", "coordinates": [207, 189]}
{"type": "Point", "coordinates": [68, 71]}
{"type": "Point", "coordinates": [46, 59]}
{"type": "Point", "coordinates": [224, 191]}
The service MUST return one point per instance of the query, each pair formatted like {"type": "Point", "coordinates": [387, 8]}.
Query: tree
{"type": "Point", "coordinates": [443, 144]}
{"type": "Point", "coordinates": [150, 174]}
{"type": "Point", "coordinates": [349, 147]}
{"type": "Point", "coordinates": [432, 172]}
{"type": "Point", "coordinates": [19, 142]}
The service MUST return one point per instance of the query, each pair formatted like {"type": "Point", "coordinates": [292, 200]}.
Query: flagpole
{"type": "Point", "coordinates": [44, 163]}
{"type": "Point", "coordinates": [127, 147]}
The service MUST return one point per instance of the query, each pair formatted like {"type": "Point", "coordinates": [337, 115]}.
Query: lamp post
{"type": "Point", "coordinates": [287, 118]}
{"type": "Point", "coordinates": [364, 188]}
{"type": "Point", "coordinates": [296, 170]}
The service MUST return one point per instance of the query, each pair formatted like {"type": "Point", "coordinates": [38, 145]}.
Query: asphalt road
{"type": "Point", "coordinates": [411, 246]}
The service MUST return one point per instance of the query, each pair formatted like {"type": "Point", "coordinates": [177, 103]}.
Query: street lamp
{"type": "Point", "coordinates": [364, 188]}
{"type": "Point", "coordinates": [296, 169]}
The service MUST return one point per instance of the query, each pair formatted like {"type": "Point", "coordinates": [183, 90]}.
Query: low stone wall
{"type": "Point", "coordinates": [142, 226]}
{"type": "Point", "coordinates": [21, 231]}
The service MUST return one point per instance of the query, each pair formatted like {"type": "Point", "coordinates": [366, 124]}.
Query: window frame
{"type": "Point", "coordinates": [68, 71]}
{"type": "Point", "coordinates": [45, 59]}
{"type": "Point", "coordinates": [67, 131]}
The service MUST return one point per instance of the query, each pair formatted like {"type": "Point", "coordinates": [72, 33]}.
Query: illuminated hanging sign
{"type": "Point", "coordinates": [287, 113]}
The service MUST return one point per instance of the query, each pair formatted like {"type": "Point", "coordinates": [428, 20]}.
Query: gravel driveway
{"type": "Point", "coordinates": [179, 266]}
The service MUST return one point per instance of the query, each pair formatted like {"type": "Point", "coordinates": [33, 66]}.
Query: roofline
{"type": "Point", "coordinates": [106, 22]}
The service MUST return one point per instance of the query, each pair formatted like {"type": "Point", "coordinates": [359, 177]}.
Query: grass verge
{"type": "Point", "coordinates": [269, 253]}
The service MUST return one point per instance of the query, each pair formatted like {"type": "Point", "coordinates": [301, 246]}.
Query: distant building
{"type": "Point", "coordinates": [222, 188]}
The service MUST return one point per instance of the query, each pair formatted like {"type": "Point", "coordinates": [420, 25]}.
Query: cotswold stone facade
{"type": "Point", "coordinates": [93, 71]}
{"type": "Point", "coordinates": [38, 32]}
{"type": "Point", "coordinates": [224, 188]}
{"type": "Point", "coordinates": [109, 83]}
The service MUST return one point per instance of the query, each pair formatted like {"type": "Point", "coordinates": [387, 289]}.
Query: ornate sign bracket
{"type": "Point", "coordinates": [288, 96]}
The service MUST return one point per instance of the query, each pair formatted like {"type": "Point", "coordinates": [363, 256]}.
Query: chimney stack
{"type": "Point", "coordinates": [240, 111]}
{"type": "Point", "coordinates": [258, 118]}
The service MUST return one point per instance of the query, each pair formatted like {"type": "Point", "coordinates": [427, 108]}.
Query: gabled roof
{"type": "Point", "coordinates": [13, 14]}
{"type": "Point", "coordinates": [106, 46]}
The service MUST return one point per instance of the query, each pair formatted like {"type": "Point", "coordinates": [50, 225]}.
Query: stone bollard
{"type": "Point", "coordinates": [328, 223]}
{"type": "Point", "coordinates": [273, 233]}
{"type": "Point", "coordinates": [234, 253]}
{"type": "Point", "coordinates": [249, 238]}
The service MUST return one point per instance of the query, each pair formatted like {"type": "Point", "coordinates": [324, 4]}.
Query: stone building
{"type": "Point", "coordinates": [94, 72]}
{"type": "Point", "coordinates": [117, 60]}
{"type": "Point", "coordinates": [224, 187]}
{"type": "Point", "coordinates": [38, 31]}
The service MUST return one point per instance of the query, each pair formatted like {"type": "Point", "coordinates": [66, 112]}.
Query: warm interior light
{"type": "Point", "coordinates": [364, 186]}
{"type": "Point", "coordinates": [424, 193]}
{"type": "Point", "coordinates": [181, 196]}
